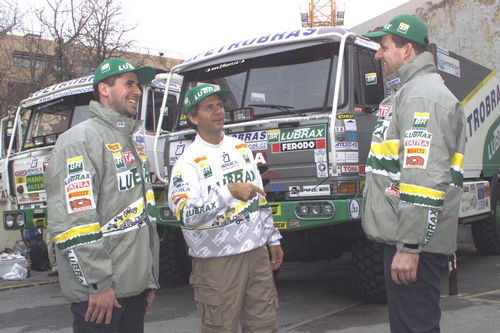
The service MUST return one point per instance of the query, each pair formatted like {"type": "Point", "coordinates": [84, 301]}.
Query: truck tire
{"type": "Point", "coordinates": [175, 264]}
{"type": "Point", "coordinates": [368, 268]}
{"type": "Point", "coordinates": [486, 233]}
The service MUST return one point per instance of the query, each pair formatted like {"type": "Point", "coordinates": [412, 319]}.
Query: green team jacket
{"type": "Point", "coordinates": [414, 171]}
{"type": "Point", "coordinates": [97, 198]}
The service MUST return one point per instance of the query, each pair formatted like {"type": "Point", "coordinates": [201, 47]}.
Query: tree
{"type": "Point", "coordinates": [10, 18]}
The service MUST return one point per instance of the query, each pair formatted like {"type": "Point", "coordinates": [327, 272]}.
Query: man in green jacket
{"type": "Point", "coordinates": [98, 195]}
{"type": "Point", "coordinates": [414, 175]}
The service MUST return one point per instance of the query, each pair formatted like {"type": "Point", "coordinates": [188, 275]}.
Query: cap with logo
{"type": "Point", "coordinates": [404, 25]}
{"type": "Point", "coordinates": [116, 66]}
{"type": "Point", "coordinates": [202, 91]}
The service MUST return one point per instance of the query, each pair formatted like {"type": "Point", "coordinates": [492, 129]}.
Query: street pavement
{"type": "Point", "coordinates": [314, 297]}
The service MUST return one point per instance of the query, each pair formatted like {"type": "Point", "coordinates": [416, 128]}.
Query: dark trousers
{"type": "Point", "coordinates": [415, 308]}
{"type": "Point", "coordinates": [128, 319]}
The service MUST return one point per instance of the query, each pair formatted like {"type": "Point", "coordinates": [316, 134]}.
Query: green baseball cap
{"type": "Point", "coordinates": [404, 25]}
{"type": "Point", "coordinates": [116, 66]}
{"type": "Point", "coordinates": [202, 91]}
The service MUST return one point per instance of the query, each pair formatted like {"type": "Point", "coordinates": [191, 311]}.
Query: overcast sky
{"type": "Point", "coordinates": [183, 28]}
{"type": "Point", "coordinates": [188, 27]}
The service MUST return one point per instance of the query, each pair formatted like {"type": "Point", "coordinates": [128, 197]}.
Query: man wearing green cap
{"type": "Point", "coordinates": [414, 175]}
{"type": "Point", "coordinates": [216, 193]}
{"type": "Point", "coordinates": [98, 195]}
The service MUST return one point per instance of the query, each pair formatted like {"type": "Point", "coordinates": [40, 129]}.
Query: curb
{"type": "Point", "coordinates": [32, 284]}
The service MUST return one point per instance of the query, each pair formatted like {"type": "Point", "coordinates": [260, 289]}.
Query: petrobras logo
{"type": "Point", "coordinates": [261, 40]}
{"type": "Point", "coordinates": [105, 68]}
{"type": "Point", "coordinates": [403, 28]}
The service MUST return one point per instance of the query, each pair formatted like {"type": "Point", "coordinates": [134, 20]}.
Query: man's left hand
{"type": "Point", "coordinates": [404, 268]}
{"type": "Point", "coordinates": [276, 256]}
{"type": "Point", "coordinates": [150, 297]}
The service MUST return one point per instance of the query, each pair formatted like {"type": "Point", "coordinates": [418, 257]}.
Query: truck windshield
{"type": "Point", "coordinates": [49, 120]}
{"type": "Point", "coordinates": [289, 83]}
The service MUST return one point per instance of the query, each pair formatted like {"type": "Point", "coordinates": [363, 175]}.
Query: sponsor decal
{"type": "Point", "coordinates": [309, 190]}
{"type": "Point", "coordinates": [431, 224]}
{"type": "Point", "coordinates": [320, 155]}
{"type": "Point", "coordinates": [403, 28]}
{"type": "Point", "coordinates": [120, 124]}
{"type": "Point", "coordinates": [251, 136]}
{"type": "Point", "coordinates": [34, 183]}
{"type": "Point", "coordinates": [420, 121]}
{"type": "Point", "coordinates": [321, 170]}
{"type": "Point", "coordinates": [241, 146]}
{"type": "Point", "coordinates": [350, 169]}
{"type": "Point", "coordinates": [341, 156]}
{"type": "Point", "coordinates": [370, 79]}
{"type": "Point", "coordinates": [447, 64]}
{"type": "Point", "coordinates": [256, 146]}
{"type": "Point", "coordinates": [393, 82]}
{"type": "Point", "coordinates": [128, 179]}
{"type": "Point", "coordinates": [299, 34]}
{"type": "Point", "coordinates": [351, 157]}
{"type": "Point", "coordinates": [20, 180]}
{"type": "Point", "coordinates": [354, 209]}
{"type": "Point", "coordinates": [275, 209]}
{"type": "Point", "coordinates": [260, 158]}
{"type": "Point", "coordinates": [384, 111]}
{"type": "Point", "coordinates": [350, 124]}
{"type": "Point", "coordinates": [280, 225]}
{"type": "Point", "coordinates": [417, 146]}
{"type": "Point", "coordinates": [78, 194]}
{"type": "Point", "coordinates": [77, 185]}
{"type": "Point", "coordinates": [342, 116]}
{"type": "Point", "coordinates": [20, 173]}
{"type": "Point", "coordinates": [381, 127]}
{"type": "Point", "coordinates": [277, 187]}
{"type": "Point", "coordinates": [392, 190]}
{"type": "Point", "coordinates": [346, 145]}
{"type": "Point", "coordinates": [75, 264]}
{"type": "Point", "coordinates": [299, 134]}
{"type": "Point", "coordinates": [227, 163]}
{"type": "Point", "coordinates": [128, 157]}
{"type": "Point", "coordinates": [271, 174]}
{"type": "Point", "coordinates": [300, 145]}
{"type": "Point", "coordinates": [294, 224]}
{"type": "Point", "coordinates": [114, 146]}
{"type": "Point", "coordinates": [119, 162]}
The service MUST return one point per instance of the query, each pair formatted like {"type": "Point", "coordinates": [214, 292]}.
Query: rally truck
{"type": "Point", "coordinates": [28, 136]}
{"type": "Point", "coordinates": [306, 102]}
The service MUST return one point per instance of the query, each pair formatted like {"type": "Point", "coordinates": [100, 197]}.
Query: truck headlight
{"type": "Point", "coordinates": [9, 220]}
{"type": "Point", "coordinates": [20, 220]}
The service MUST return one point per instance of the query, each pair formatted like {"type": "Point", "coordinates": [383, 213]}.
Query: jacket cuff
{"type": "Point", "coordinates": [96, 288]}
{"type": "Point", "coordinates": [410, 248]}
{"type": "Point", "coordinates": [225, 193]}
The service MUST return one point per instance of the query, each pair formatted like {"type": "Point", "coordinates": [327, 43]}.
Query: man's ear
{"type": "Point", "coordinates": [193, 119]}
{"type": "Point", "coordinates": [409, 51]}
{"type": "Point", "coordinates": [103, 89]}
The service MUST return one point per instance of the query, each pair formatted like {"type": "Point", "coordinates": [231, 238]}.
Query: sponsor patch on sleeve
{"type": "Point", "coordinates": [417, 144]}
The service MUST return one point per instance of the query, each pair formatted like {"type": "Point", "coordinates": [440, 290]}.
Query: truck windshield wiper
{"type": "Point", "coordinates": [284, 108]}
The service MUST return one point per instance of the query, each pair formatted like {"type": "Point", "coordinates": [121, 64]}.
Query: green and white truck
{"type": "Point", "coordinates": [306, 102]}
{"type": "Point", "coordinates": [28, 136]}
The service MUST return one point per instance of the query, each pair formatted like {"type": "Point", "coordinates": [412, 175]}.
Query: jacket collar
{"type": "Point", "coordinates": [113, 119]}
{"type": "Point", "coordinates": [423, 63]}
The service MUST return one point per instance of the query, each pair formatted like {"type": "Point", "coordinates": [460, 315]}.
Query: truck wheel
{"type": "Point", "coordinates": [175, 264]}
{"type": "Point", "coordinates": [368, 267]}
{"type": "Point", "coordinates": [486, 233]}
